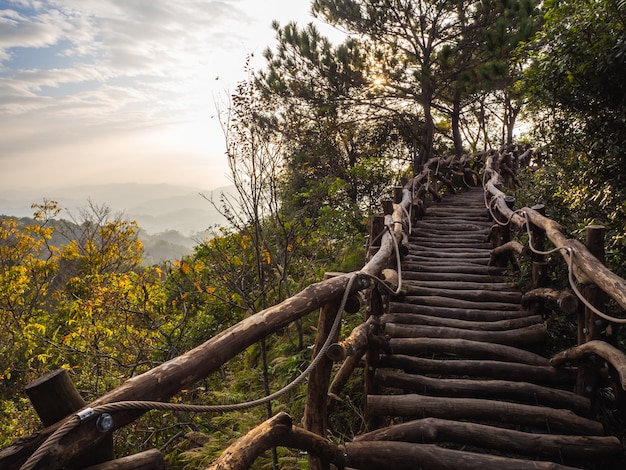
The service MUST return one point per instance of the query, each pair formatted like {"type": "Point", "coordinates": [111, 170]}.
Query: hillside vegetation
{"type": "Point", "coordinates": [314, 141]}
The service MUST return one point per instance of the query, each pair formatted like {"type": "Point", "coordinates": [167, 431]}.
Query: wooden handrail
{"type": "Point", "coordinates": [587, 268]}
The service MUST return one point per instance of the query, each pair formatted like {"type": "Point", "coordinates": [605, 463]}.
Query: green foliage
{"type": "Point", "coordinates": [578, 94]}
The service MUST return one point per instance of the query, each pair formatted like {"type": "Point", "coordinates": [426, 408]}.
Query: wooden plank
{"type": "Point", "coordinates": [519, 337]}
{"type": "Point", "coordinates": [460, 313]}
{"type": "Point", "coordinates": [498, 325]}
{"type": "Point", "coordinates": [470, 269]}
{"type": "Point", "coordinates": [465, 349]}
{"type": "Point", "coordinates": [372, 455]}
{"type": "Point", "coordinates": [476, 295]}
{"type": "Point", "coordinates": [438, 301]}
{"type": "Point", "coordinates": [461, 285]}
{"type": "Point", "coordinates": [481, 369]}
{"type": "Point", "coordinates": [420, 406]}
{"type": "Point", "coordinates": [448, 254]}
{"type": "Point", "coordinates": [505, 390]}
{"type": "Point", "coordinates": [554, 446]}
{"type": "Point", "coordinates": [451, 277]}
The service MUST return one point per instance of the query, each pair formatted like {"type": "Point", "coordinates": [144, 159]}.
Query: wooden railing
{"type": "Point", "coordinates": [590, 280]}
{"type": "Point", "coordinates": [380, 278]}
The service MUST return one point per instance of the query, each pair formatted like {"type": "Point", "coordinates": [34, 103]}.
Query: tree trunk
{"type": "Point", "coordinates": [456, 125]}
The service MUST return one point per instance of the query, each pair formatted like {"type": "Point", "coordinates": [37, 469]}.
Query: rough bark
{"type": "Point", "coordinates": [505, 390]}
{"type": "Point", "coordinates": [518, 337]}
{"type": "Point", "coordinates": [609, 353]}
{"type": "Point", "coordinates": [482, 369]}
{"type": "Point", "coordinates": [465, 348]}
{"type": "Point", "coordinates": [434, 430]}
{"type": "Point", "coordinates": [368, 455]}
{"type": "Point", "coordinates": [421, 406]}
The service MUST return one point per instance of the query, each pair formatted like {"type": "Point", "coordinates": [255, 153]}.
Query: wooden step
{"type": "Point", "coordinates": [503, 390]}
{"type": "Point", "coordinates": [481, 369]}
{"type": "Point", "coordinates": [477, 409]}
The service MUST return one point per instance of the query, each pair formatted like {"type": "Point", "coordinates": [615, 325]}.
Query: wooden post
{"type": "Point", "coordinates": [375, 307]}
{"type": "Point", "coordinates": [503, 237]}
{"type": "Point", "coordinates": [376, 227]}
{"type": "Point", "coordinates": [315, 417]}
{"type": "Point", "coordinates": [398, 192]}
{"type": "Point", "coordinates": [595, 243]}
{"type": "Point", "coordinates": [387, 205]}
{"type": "Point", "coordinates": [589, 325]}
{"type": "Point", "coordinates": [148, 460]}
{"type": "Point", "coordinates": [54, 397]}
{"type": "Point", "coordinates": [538, 241]}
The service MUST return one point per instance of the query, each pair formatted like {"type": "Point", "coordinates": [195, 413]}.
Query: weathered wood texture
{"type": "Point", "coordinates": [506, 390]}
{"type": "Point", "coordinates": [556, 446]}
{"type": "Point", "coordinates": [277, 431]}
{"type": "Point", "coordinates": [148, 460]}
{"type": "Point", "coordinates": [162, 382]}
{"type": "Point", "coordinates": [479, 383]}
{"type": "Point", "coordinates": [609, 353]}
{"type": "Point", "coordinates": [374, 455]}
{"type": "Point", "coordinates": [550, 419]}
{"type": "Point", "coordinates": [588, 269]}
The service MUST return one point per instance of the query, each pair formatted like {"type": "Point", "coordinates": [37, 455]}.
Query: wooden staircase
{"type": "Point", "coordinates": [463, 385]}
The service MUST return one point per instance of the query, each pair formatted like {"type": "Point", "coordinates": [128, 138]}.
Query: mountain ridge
{"type": "Point", "coordinates": [155, 207]}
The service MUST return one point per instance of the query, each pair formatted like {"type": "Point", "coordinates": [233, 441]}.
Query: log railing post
{"type": "Point", "coordinates": [589, 325]}
{"type": "Point", "coordinates": [538, 241]}
{"type": "Point", "coordinates": [376, 227]}
{"type": "Point", "coordinates": [376, 307]}
{"type": "Point", "coordinates": [503, 236]}
{"type": "Point", "coordinates": [54, 397]}
{"type": "Point", "coordinates": [595, 243]}
{"type": "Point", "coordinates": [398, 194]}
{"type": "Point", "coordinates": [315, 417]}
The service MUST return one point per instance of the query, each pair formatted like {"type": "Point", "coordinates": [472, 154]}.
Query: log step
{"type": "Point", "coordinates": [373, 455]}
{"type": "Point", "coordinates": [465, 348]}
{"type": "Point", "coordinates": [455, 277]}
{"type": "Point", "coordinates": [477, 409]}
{"type": "Point", "coordinates": [515, 337]}
{"type": "Point", "coordinates": [430, 320]}
{"type": "Point", "coordinates": [503, 390]}
{"type": "Point", "coordinates": [461, 365]}
{"type": "Point", "coordinates": [476, 295]}
{"type": "Point", "coordinates": [481, 369]}
{"type": "Point", "coordinates": [476, 314]}
{"type": "Point", "coordinates": [553, 446]}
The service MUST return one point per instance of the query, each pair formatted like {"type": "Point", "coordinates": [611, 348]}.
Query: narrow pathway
{"type": "Point", "coordinates": [464, 385]}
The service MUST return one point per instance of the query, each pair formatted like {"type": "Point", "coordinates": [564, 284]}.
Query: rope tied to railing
{"type": "Point", "coordinates": [93, 413]}
{"type": "Point", "coordinates": [570, 252]}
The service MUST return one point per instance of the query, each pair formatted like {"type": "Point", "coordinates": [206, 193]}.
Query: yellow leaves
{"type": "Point", "coordinates": [185, 268]}
{"type": "Point", "coordinates": [267, 257]}
{"type": "Point", "coordinates": [245, 242]}
{"type": "Point", "coordinates": [43, 358]}
{"type": "Point", "coordinates": [33, 329]}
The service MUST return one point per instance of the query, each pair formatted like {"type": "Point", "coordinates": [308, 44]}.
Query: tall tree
{"type": "Point", "coordinates": [330, 120]}
{"type": "Point", "coordinates": [411, 34]}
{"type": "Point", "coordinates": [432, 52]}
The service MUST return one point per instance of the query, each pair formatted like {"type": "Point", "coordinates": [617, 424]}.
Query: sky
{"type": "Point", "coordinates": [118, 91]}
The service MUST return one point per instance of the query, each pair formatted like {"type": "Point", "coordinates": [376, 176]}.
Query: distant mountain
{"type": "Point", "coordinates": [157, 208]}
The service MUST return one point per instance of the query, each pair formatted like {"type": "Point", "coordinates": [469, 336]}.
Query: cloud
{"type": "Point", "coordinates": [90, 87]}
